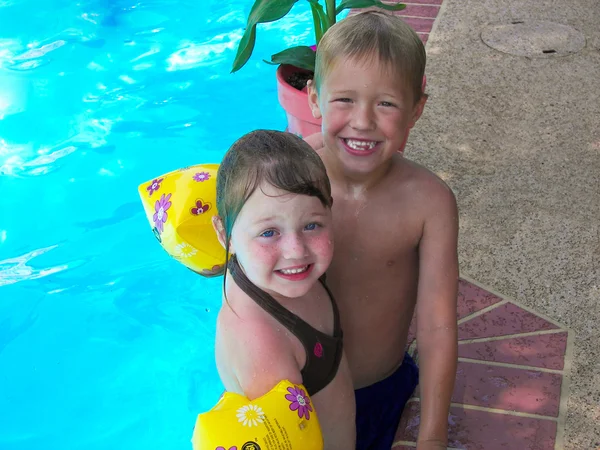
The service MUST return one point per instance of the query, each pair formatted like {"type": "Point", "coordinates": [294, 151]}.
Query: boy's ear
{"type": "Point", "coordinates": [418, 110]}
{"type": "Point", "coordinates": [313, 99]}
{"type": "Point", "coordinates": [217, 224]}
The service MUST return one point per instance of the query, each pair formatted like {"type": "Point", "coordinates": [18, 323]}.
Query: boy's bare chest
{"type": "Point", "coordinates": [369, 230]}
{"type": "Point", "coordinates": [375, 264]}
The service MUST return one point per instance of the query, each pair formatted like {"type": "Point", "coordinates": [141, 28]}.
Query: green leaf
{"type": "Point", "coordinates": [316, 23]}
{"type": "Point", "coordinates": [301, 56]}
{"type": "Point", "coordinates": [321, 21]}
{"type": "Point", "coordinates": [269, 11]}
{"type": "Point", "coordinates": [330, 8]}
{"type": "Point", "coordinates": [262, 11]}
{"type": "Point", "coordinates": [346, 4]}
{"type": "Point", "coordinates": [245, 48]}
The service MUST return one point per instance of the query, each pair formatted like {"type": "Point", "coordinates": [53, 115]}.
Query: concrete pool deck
{"type": "Point", "coordinates": [518, 140]}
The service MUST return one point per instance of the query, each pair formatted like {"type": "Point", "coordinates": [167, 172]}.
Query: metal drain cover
{"type": "Point", "coordinates": [534, 38]}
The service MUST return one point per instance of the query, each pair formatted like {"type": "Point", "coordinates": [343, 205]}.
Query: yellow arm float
{"type": "Point", "coordinates": [180, 206]}
{"type": "Point", "coordinates": [282, 419]}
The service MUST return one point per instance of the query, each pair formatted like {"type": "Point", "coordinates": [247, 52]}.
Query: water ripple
{"type": "Point", "coordinates": [22, 159]}
{"type": "Point", "coordinates": [34, 57]}
{"type": "Point", "coordinates": [13, 270]}
{"type": "Point", "coordinates": [210, 53]}
{"type": "Point", "coordinates": [8, 47]}
{"type": "Point", "coordinates": [41, 51]}
{"type": "Point", "coordinates": [16, 162]}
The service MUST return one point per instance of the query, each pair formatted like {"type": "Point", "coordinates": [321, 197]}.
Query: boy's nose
{"type": "Point", "coordinates": [362, 118]}
{"type": "Point", "coordinates": [294, 247]}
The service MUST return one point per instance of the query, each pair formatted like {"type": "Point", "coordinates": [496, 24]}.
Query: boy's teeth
{"type": "Point", "coordinates": [293, 271]}
{"type": "Point", "coordinates": [360, 145]}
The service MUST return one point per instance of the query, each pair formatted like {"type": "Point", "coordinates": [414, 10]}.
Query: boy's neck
{"type": "Point", "coordinates": [353, 183]}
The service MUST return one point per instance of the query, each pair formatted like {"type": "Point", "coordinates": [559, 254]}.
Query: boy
{"type": "Point", "coordinates": [395, 227]}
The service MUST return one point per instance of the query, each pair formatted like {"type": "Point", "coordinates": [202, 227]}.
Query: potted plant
{"type": "Point", "coordinates": [297, 64]}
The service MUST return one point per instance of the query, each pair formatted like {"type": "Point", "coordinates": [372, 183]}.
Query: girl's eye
{"type": "Point", "coordinates": [268, 233]}
{"type": "Point", "coordinates": [311, 226]}
{"type": "Point", "coordinates": [343, 100]}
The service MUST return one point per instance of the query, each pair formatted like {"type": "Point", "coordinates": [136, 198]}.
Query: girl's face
{"type": "Point", "coordinates": [283, 241]}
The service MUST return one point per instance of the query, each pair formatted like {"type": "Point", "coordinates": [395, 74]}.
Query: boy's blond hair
{"type": "Point", "coordinates": [371, 37]}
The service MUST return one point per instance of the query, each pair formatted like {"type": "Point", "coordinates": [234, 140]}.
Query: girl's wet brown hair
{"type": "Point", "coordinates": [278, 158]}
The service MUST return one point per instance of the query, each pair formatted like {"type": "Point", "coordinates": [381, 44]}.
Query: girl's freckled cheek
{"type": "Point", "coordinates": [265, 252]}
{"type": "Point", "coordinates": [323, 245]}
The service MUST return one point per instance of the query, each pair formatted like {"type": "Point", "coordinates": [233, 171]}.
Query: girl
{"type": "Point", "coordinates": [278, 319]}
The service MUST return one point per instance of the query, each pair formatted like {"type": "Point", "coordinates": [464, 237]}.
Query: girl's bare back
{"type": "Point", "coordinates": [254, 352]}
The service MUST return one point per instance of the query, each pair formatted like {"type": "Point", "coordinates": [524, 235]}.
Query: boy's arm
{"type": "Point", "coordinates": [436, 317]}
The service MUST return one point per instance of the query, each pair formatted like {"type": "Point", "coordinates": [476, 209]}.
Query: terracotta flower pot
{"type": "Point", "coordinates": [300, 120]}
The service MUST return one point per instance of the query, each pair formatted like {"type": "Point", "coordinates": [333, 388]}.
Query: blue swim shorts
{"type": "Point", "coordinates": [380, 405]}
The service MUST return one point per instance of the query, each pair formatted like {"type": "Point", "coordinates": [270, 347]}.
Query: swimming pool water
{"type": "Point", "coordinates": [106, 342]}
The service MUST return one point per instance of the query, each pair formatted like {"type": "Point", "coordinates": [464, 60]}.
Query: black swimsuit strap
{"type": "Point", "coordinates": [337, 329]}
{"type": "Point", "coordinates": [264, 300]}
{"type": "Point", "coordinates": [273, 307]}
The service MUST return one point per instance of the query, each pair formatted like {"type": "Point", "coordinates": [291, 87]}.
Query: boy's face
{"type": "Point", "coordinates": [366, 113]}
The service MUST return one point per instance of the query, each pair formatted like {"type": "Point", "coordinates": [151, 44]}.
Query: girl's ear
{"type": "Point", "coordinates": [217, 224]}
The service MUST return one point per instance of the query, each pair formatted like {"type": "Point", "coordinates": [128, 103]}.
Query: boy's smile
{"type": "Point", "coordinates": [367, 111]}
{"type": "Point", "coordinates": [361, 147]}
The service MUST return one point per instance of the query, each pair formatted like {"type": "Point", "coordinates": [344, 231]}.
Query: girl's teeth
{"type": "Point", "coordinates": [293, 271]}
{"type": "Point", "coordinates": [360, 145]}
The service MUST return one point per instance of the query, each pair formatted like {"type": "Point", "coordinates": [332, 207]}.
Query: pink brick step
{"type": "Point", "coordinates": [511, 380]}
{"type": "Point", "coordinates": [485, 430]}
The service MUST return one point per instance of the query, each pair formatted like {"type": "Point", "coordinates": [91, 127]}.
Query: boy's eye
{"type": "Point", "coordinates": [268, 233]}
{"type": "Point", "coordinates": [343, 100]}
{"type": "Point", "coordinates": [311, 226]}
{"type": "Point", "coordinates": [387, 104]}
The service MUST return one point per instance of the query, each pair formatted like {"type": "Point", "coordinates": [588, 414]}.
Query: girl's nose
{"type": "Point", "coordinates": [294, 247]}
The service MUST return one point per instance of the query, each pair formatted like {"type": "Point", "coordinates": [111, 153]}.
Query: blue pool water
{"type": "Point", "coordinates": [106, 342]}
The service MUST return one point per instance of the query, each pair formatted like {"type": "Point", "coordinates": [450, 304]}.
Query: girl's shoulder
{"type": "Point", "coordinates": [255, 352]}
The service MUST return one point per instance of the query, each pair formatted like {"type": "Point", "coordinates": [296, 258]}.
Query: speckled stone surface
{"type": "Point", "coordinates": [518, 141]}
{"type": "Point", "coordinates": [533, 38]}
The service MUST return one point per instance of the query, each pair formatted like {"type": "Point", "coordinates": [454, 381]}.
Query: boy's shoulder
{"type": "Point", "coordinates": [416, 185]}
